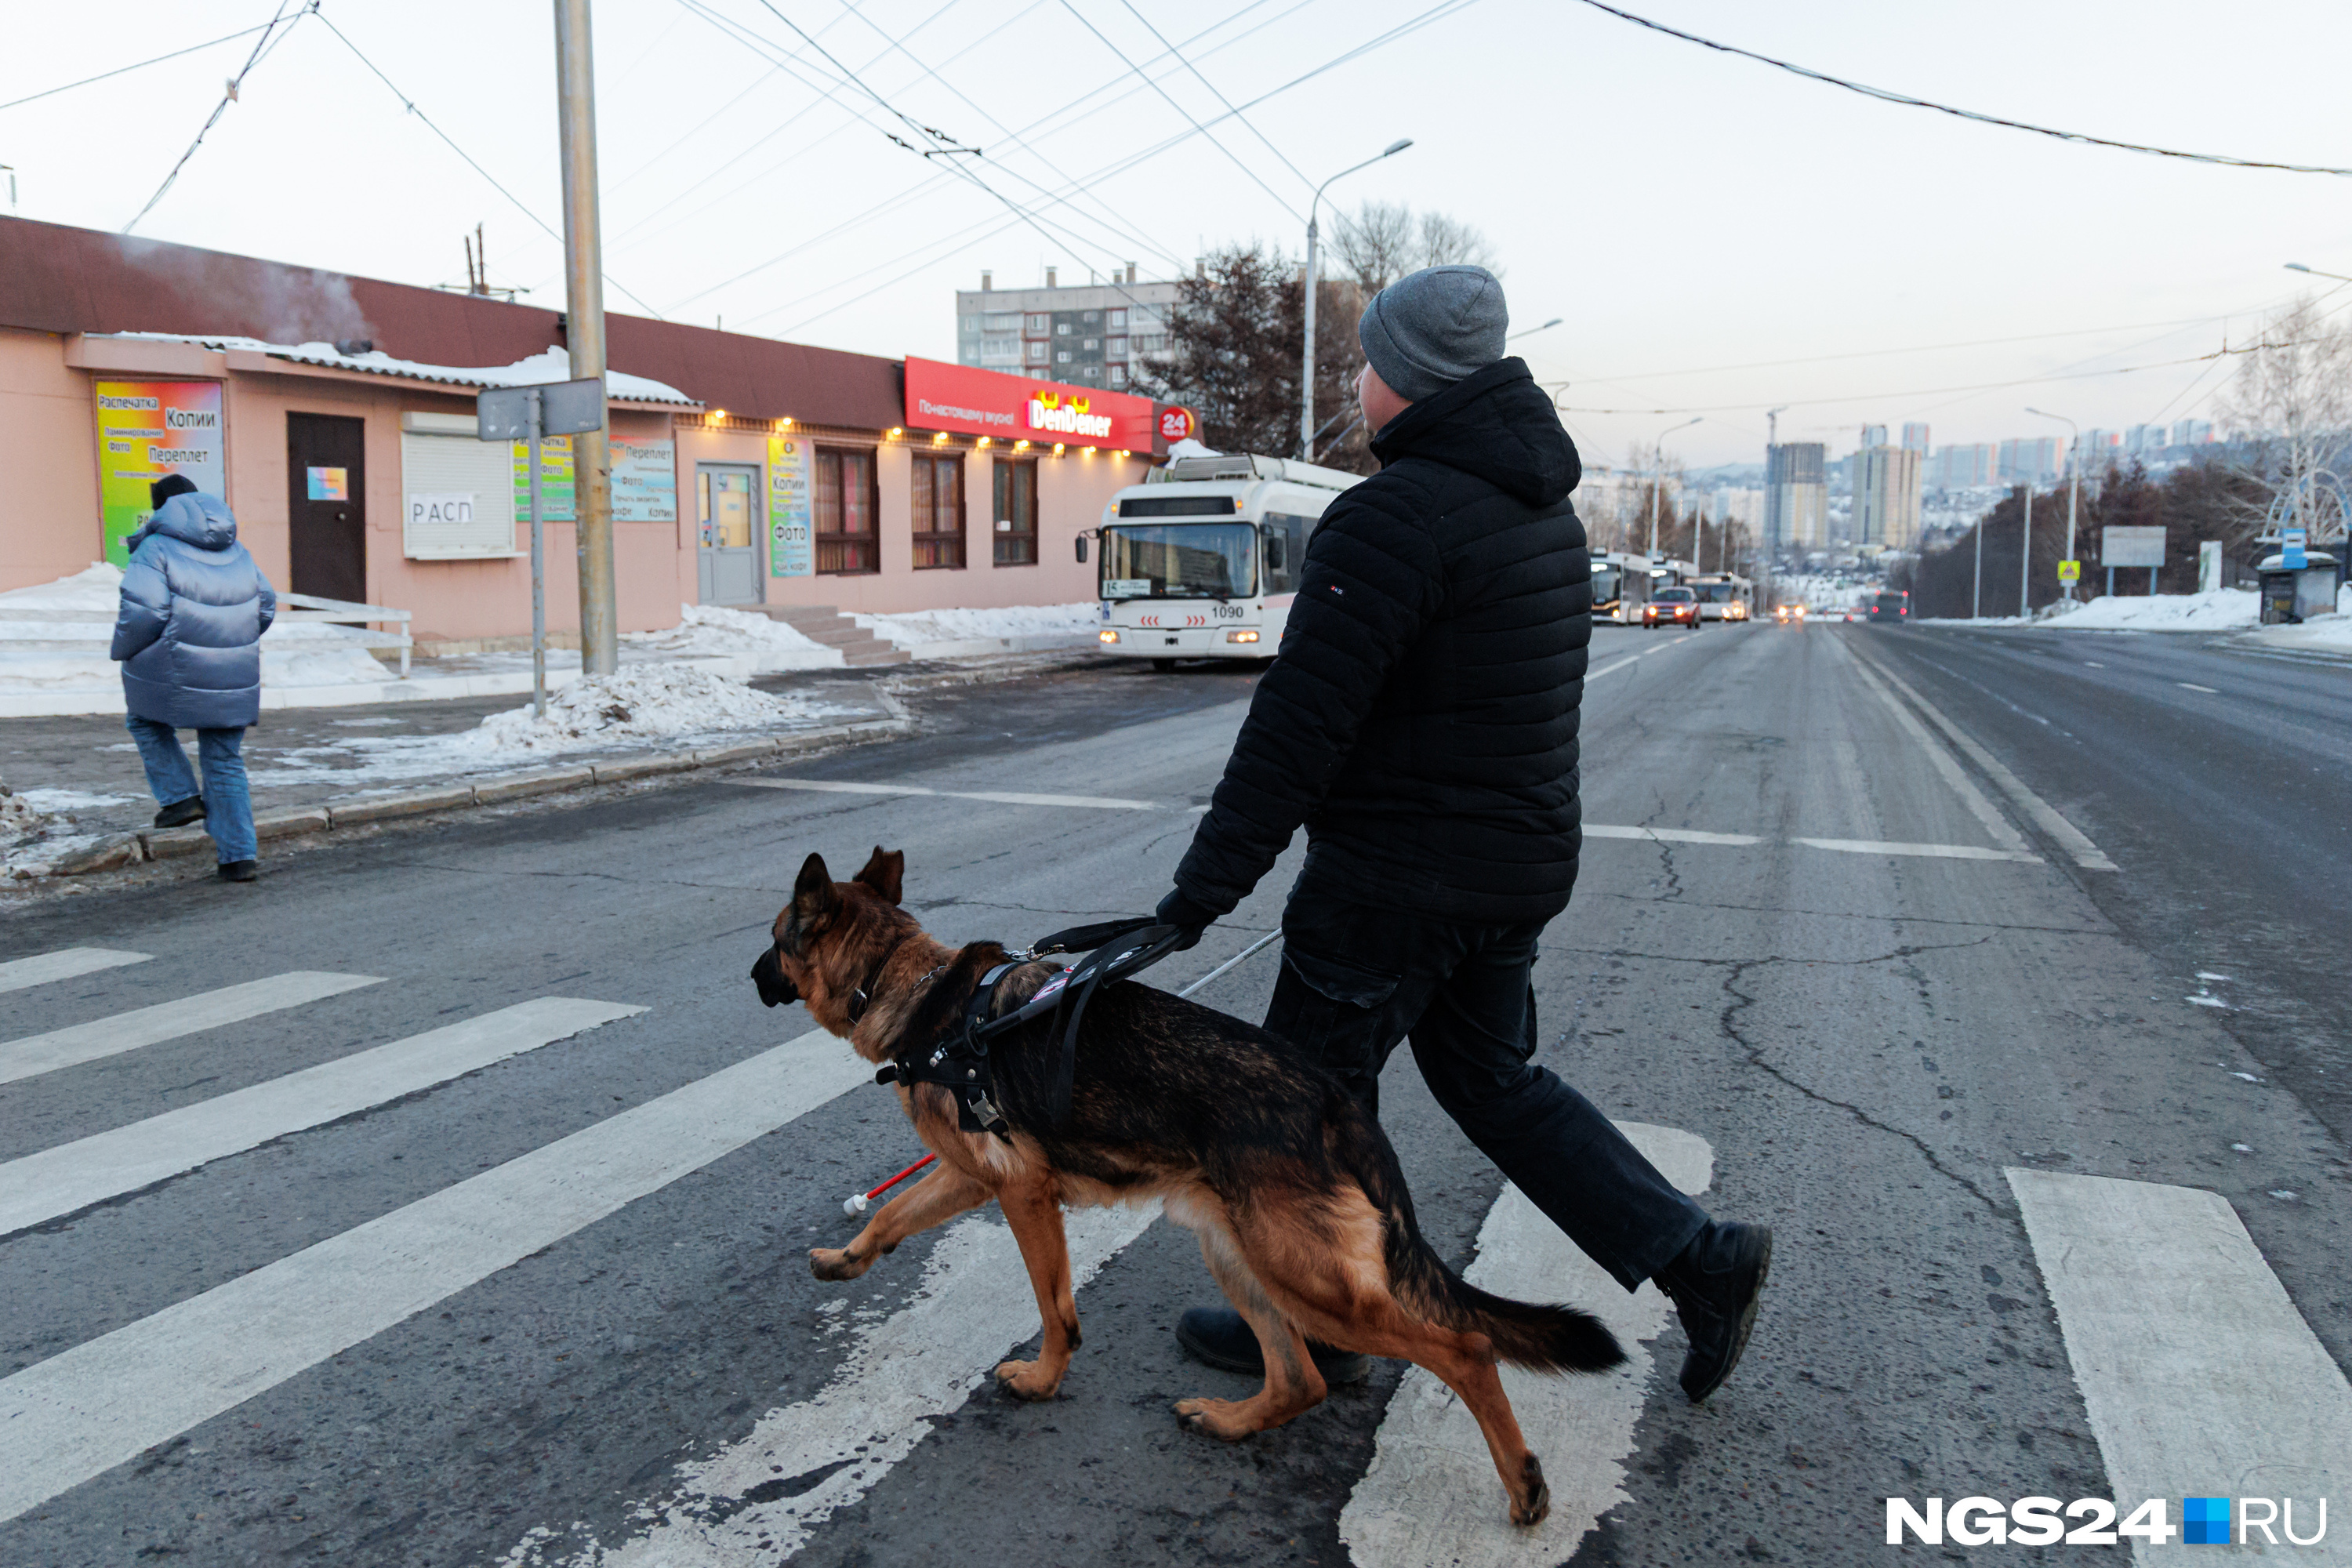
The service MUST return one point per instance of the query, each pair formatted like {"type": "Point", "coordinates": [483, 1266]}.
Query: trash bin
{"type": "Point", "coordinates": [2290, 598]}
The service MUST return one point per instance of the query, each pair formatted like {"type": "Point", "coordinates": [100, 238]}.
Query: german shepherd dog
{"type": "Point", "coordinates": [1297, 1197]}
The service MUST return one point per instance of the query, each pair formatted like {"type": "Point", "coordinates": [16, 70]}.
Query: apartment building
{"type": "Point", "coordinates": [1098, 333]}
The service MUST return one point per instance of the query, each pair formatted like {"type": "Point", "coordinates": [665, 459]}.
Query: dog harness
{"type": "Point", "coordinates": [1114, 949]}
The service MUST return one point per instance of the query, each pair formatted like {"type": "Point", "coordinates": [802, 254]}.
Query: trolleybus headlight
{"type": "Point", "coordinates": [1240, 637]}
{"type": "Point", "coordinates": [1107, 635]}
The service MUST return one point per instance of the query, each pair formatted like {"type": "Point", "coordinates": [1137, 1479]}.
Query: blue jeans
{"type": "Point", "coordinates": [1357, 981]}
{"type": "Point", "coordinates": [229, 803]}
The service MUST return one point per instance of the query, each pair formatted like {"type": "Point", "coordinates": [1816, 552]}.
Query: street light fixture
{"type": "Point", "coordinates": [2074, 494]}
{"type": "Point", "coordinates": [2299, 267]}
{"type": "Point", "coordinates": [1531, 331]}
{"type": "Point", "coordinates": [1657, 475]}
{"type": "Point", "coordinates": [1307, 372]}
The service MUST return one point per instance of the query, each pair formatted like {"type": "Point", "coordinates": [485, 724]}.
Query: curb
{"type": "Point", "coordinates": [121, 849]}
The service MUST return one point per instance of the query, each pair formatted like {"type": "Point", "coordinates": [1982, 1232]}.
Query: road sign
{"type": "Point", "coordinates": [566, 408]}
{"type": "Point", "coordinates": [2291, 549]}
{"type": "Point", "coordinates": [2070, 571]}
{"type": "Point", "coordinates": [2131, 547]}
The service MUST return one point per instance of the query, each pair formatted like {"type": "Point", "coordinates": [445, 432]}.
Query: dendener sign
{"type": "Point", "coordinates": [958, 398]}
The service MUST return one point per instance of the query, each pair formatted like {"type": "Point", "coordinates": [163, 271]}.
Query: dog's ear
{"type": "Point", "coordinates": [813, 896]}
{"type": "Point", "coordinates": [886, 873]}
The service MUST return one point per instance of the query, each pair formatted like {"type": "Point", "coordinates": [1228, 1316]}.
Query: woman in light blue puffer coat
{"type": "Point", "coordinates": [189, 636]}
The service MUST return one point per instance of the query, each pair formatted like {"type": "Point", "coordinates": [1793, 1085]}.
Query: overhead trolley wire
{"type": "Point", "coordinates": [270, 38]}
{"type": "Point", "coordinates": [143, 65]}
{"type": "Point", "coordinates": [1203, 78]}
{"type": "Point", "coordinates": [1903, 99]}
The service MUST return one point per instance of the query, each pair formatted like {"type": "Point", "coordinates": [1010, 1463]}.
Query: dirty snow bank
{"type": "Point", "coordinates": [1076, 622]}
{"type": "Point", "coordinates": [293, 653]}
{"type": "Point", "coordinates": [713, 629]}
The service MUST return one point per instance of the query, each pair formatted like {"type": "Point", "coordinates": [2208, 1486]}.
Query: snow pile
{"type": "Point", "coordinates": [915, 628]}
{"type": "Point", "coordinates": [713, 629]}
{"type": "Point", "coordinates": [94, 590]}
{"type": "Point", "coordinates": [19, 818]}
{"type": "Point", "coordinates": [293, 653]}
{"type": "Point", "coordinates": [2224, 610]}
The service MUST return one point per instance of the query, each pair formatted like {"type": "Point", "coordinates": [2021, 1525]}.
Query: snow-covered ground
{"type": "Point", "coordinates": [935, 632]}
{"type": "Point", "coordinates": [707, 630]}
{"type": "Point", "coordinates": [2224, 610]}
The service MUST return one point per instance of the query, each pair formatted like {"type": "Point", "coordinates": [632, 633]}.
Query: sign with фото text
{"type": "Point", "coordinates": [972, 401]}
{"type": "Point", "coordinates": [147, 429]}
{"type": "Point", "coordinates": [792, 514]}
{"type": "Point", "coordinates": [2131, 547]}
{"type": "Point", "coordinates": [645, 480]}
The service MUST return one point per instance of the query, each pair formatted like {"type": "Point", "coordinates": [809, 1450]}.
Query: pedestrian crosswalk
{"type": "Point", "coordinates": [2140, 1275]}
{"type": "Point", "coordinates": [66, 962]}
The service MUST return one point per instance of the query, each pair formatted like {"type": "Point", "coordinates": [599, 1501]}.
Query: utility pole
{"type": "Point", "coordinates": [2074, 494]}
{"type": "Point", "coordinates": [583, 338]}
{"type": "Point", "coordinates": [1307, 356]}
{"type": "Point", "coordinates": [1976, 595]}
{"type": "Point", "coordinates": [2025, 558]}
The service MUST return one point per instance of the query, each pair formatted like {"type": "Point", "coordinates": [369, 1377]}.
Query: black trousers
{"type": "Point", "coordinates": [1356, 981]}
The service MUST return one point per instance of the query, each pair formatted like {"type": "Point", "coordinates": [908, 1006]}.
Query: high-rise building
{"type": "Point", "coordinates": [1796, 496]}
{"type": "Point", "coordinates": [1873, 435]}
{"type": "Point", "coordinates": [1097, 334]}
{"type": "Point", "coordinates": [2191, 432]}
{"type": "Point", "coordinates": [1914, 439]}
{"type": "Point", "coordinates": [2145, 441]}
{"type": "Point", "coordinates": [1887, 496]}
{"type": "Point", "coordinates": [1964, 468]}
{"type": "Point", "coordinates": [2033, 461]}
{"type": "Point", "coordinates": [2097, 450]}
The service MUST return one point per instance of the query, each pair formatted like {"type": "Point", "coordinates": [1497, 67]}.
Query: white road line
{"type": "Point", "coordinates": [2072, 838]}
{"type": "Point", "coordinates": [1002, 797]}
{"type": "Point", "coordinates": [1431, 1495]}
{"type": "Point", "coordinates": [36, 1054]}
{"type": "Point", "coordinates": [40, 1188]}
{"type": "Point", "coordinates": [63, 965]}
{"type": "Point", "coordinates": [2192, 686]}
{"type": "Point", "coordinates": [80, 1413]}
{"type": "Point", "coordinates": [2200, 1376]}
{"type": "Point", "coordinates": [1939, 851]}
{"type": "Point", "coordinates": [1947, 767]}
{"type": "Point", "coordinates": [922, 1362]}
{"type": "Point", "coordinates": [1667, 834]}
{"type": "Point", "coordinates": [1626, 663]}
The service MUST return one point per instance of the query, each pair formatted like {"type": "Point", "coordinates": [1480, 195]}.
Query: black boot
{"type": "Point", "coordinates": [180, 813]}
{"type": "Point", "coordinates": [1223, 1338]}
{"type": "Point", "coordinates": [1715, 1283]}
{"type": "Point", "coordinates": [239, 871]}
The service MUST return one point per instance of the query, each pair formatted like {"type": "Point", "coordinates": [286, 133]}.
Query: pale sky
{"type": "Point", "coordinates": [1683, 211]}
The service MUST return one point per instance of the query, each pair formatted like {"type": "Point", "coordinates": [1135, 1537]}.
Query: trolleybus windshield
{"type": "Point", "coordinates": [1178, 560]}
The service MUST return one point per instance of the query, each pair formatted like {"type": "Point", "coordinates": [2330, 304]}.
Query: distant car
{"type": "Point", "coordinates": [1788, 615]}
{"type": "Point", "coordinates": [1670, 607]}
{"type": "Point", "coordinates": [1895, 606]}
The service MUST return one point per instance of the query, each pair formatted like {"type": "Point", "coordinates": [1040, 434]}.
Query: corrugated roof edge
{"type": "Point", "coordinates": [555, 365]}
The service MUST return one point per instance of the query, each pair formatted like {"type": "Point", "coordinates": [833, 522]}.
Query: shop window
{"type": "Point", "coordinates": [937, 509]}
{"type": "Point", "coordinates": [846, 509]}
{"type": "Point", "coordinates": [1016, 511]}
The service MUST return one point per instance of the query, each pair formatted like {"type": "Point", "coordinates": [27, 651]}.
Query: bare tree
{"type": "Point", "coordinates": [1385, 241]}
{"type": "Point", "coordinates": [2293, 396]}
{"type": "Point", "coordinates": [1448, 241]}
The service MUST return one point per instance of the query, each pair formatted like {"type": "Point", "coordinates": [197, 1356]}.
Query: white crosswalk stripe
{"type": "Point", "coordinates": [1431, 1495]}
{"type": "Point", "coordinates": [40, 1188]}
{"type": "Point", "coordinates": [63, 965]}
{"type": "Point", "coordinates": [81, 1413]}
{"type": "Point", "coordinates": [2200, 1376]}
{"type": "Point", "coordinates": [36, 1054]}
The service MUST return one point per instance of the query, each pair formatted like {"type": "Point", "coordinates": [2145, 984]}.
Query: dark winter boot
{"type": "Point", "coordinates": [239, 871]}
{"type": "Point", "coordinates": [1713, 1284]}
{"type": "Point", "coordinates": [180, 813]}
{"type": "Point", "coordinates": [1222, 1338]}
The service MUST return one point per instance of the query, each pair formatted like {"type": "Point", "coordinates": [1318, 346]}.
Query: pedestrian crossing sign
{"type": "Point", "coordinates": [2070, 571]}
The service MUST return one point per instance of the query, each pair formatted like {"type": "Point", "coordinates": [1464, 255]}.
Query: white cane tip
{"type": "Point", "coordinates": [854, 1205]}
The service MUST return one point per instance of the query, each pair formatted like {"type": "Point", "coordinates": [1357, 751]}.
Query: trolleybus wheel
{"type": "Point", "coordinates": [1164, 665]}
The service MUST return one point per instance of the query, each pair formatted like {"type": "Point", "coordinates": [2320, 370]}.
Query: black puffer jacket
{"type": "Point", "coordinates": [1421, 722]}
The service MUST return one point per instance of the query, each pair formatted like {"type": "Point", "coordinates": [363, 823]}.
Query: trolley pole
{"type": "Point", "coordinates": [584, 273]}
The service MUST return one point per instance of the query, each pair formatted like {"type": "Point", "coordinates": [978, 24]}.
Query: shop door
{"type": "Point", "coordinates": [326, 507]}
{"type": "Point", "coordinates": [727, 564]}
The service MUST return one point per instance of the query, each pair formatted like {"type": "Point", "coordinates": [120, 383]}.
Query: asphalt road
{"type": "Point", "coordinates": [1852, 982]}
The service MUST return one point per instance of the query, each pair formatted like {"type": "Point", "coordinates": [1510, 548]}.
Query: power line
{"type": "Point", "coordinates": [143, 65]}
{"type": "Point", "coordinates": [1907, 100]}
{"type": "Point", "coordinates": [409, 104]}
{"type": "Point", "coordinates": [1201, 77]}
{"type": "Point", "coordinates": [228, 96]}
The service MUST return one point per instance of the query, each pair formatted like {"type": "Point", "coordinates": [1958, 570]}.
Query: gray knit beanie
{"type": "Point", "coordinates": [1430, 328]}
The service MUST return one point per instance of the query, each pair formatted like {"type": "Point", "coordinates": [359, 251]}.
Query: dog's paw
{"type": "Point", "coordinates": [1530, 1509]}
{"type": "Point", "coordinates": [1025, 1380]}
{"type": "Point", "coordinates": [1219, 1419]}
{"type": "Point", "coordinates": [834, 1263]}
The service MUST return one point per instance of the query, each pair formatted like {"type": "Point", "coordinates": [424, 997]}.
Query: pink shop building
{"type": "Point", "coordinates": [335, 416]}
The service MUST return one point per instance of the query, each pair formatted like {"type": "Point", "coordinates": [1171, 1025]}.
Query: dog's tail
{"type": "Point", "coordinates": [1552, 1338]}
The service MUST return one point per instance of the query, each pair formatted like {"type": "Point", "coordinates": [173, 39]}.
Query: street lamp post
{"type": "Point", "coordinates": [2074, 494]}
{"type": "Point", "coordinates": [1531, 331]}
{"type": "Point", "coordinates": [1658, 476]}
{"type": "Point", "coordinates": [1306, 368]}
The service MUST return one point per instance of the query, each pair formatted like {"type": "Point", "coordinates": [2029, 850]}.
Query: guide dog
{"type": "Point", "coordinates": [1296, 1195]}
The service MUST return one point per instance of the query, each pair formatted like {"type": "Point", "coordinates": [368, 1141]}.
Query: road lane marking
{"type": "Point", "coordinates": [1939, 851]}
{"type": "Point", "coordinates": [36, 1054]}
{"type": "Point", "coordinates": [2198, 1373]}
{"type": "Point", "coordinates": [59, 1180]}
{"type": "Point", "coordinates": [1431, 1495]}
{"type": "Point", "coordinates": [1667, 834]}
{"type": "Point", "coordinates": [1627, 663]}
{"type": "Point", "coordinates": [923, 1361]}
{"type": "Point", "coordinates": [2192, 686]}
{"type": "Point", "coordinates": [80, 1412]}
{"type": "Point", "coordinates": [2072, 838]}
{"type": "Point", "coordinates": [999, 797]}
{"type": "Point", "coordinates": [1947, 767]}
{"type": "Point", "coordinates": [63, 965]}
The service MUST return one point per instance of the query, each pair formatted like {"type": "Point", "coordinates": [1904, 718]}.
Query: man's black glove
{"type": "Point", "coordinates": [1176, 909]}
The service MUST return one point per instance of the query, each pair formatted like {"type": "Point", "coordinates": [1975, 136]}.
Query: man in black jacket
{"type": "Point", "coordinates": [1421, 724]}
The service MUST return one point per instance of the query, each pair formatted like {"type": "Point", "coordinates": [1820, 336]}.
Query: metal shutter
{"type": "Point", "coordinates": [458, 497]}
